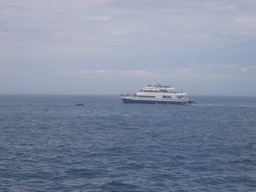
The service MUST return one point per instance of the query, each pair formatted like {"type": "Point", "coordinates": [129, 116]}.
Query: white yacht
{"type": "Point", "coordinates": [158, 94]}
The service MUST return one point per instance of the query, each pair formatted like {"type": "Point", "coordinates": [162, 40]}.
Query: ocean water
{"type": "Point", "coordinates": [49, 144]}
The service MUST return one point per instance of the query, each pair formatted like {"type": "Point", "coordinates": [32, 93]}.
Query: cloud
{"type": "Point", "coordinates": [249, 70]}
{"type": "Point", "coordinates": [188, 72]}
{"type": "Point", "coordinates": [201, 72]}
{"type": "Point", "coordinates": [112, 73]}
{"type": "Point", "coordinates": [100, 18]}
{"type": "Point", "coordinates": [168, 73]}
{"type": "Point", "coordinates": [132, 39]}
{"type": "Point", "coordinates": [220, 76]}
{"type": "Point", "coordinates": [110, 26]}
{"type": "Point", "coordinates": [220, 6]}
{"type": "Point", "coordinates": [245, 25]}
{"type": "Point", "coordinates": [72, 72]}
{"type": "Point", "coordinates": [228, 66]}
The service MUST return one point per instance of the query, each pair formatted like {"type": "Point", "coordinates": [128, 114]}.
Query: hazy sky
{"type": "Point", "coordinates": [119, 46]}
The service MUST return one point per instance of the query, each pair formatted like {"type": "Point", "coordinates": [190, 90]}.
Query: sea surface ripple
{"type": "Point", "coordinates": [49, 144]}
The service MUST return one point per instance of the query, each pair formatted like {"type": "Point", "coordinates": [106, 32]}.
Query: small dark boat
{"type": "Point", "coordinates": [80, 104]}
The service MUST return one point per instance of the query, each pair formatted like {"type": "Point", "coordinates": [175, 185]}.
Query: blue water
{"type": "Point", "coordinates": [49, 144]}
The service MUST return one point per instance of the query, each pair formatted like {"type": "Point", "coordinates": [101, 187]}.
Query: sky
{"type": "Point", "coordinates": [112, 47]}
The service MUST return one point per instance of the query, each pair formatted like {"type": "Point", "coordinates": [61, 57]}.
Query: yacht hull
{"type": "Point", "coordinates": [125, 100]}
